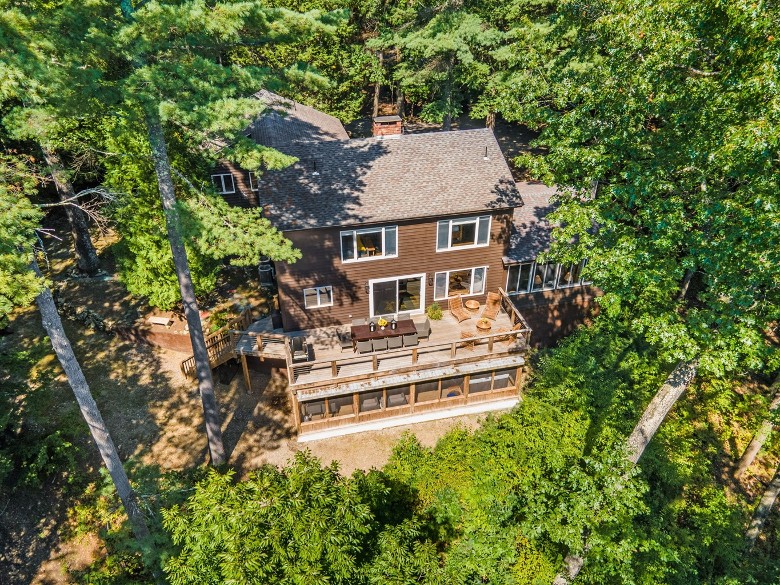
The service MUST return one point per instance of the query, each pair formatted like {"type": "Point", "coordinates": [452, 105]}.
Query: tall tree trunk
{"type": "Point", "coordinates": [86, 256]}
{"type": "Point", "coordinates": [191, 313]}
{"type": "Point", "coordinates": [761, 435]}
{"type": "Point", "coordinates": [399, 102]}
{"type": "Point", "coordinates": [378, 85]}
{"type": "Point", "coordinates": [763, 509]}
{"type": "Point", "coordinates": [447, 125]}
{"type": "Point", "coordinates": [490, 120]}
{"type": "Point", "coordinates": [655, 413]}
{"type": "Point", "coordinates": [89, 409]}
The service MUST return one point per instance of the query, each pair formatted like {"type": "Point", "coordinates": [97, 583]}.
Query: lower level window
{"type": "Point", "coordinates": [533, 276]}
{"type": "Point", "coordinates": [320, 296]}
{"type": "Point", "coordinates": [469, 281]}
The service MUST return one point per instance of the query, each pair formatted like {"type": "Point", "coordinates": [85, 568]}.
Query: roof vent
{"type": "Point", "coordinates": [387, 126]}
{"type": "Point", "coordinates": [486, 156]}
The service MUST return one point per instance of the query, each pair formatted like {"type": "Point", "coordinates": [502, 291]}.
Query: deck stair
{"type": "Point", "coordinates": [220, 345]}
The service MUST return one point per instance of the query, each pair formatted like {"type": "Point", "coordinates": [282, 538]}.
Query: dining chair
{"type": "Point", "coordinates": [379, 344]}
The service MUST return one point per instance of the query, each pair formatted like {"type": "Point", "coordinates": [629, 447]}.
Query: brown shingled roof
{"type": "Point", "coordinates": [375, 180]}
{"type": "Point", "coordinates": [531, 230]}
{"type": "Point", "coordinates": [287, 121]}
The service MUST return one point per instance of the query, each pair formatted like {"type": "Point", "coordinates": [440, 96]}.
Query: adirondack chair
{"type": "Point", "coordinates": [492, 306]}
{"type": "Point", "coordinates": [457, 310]}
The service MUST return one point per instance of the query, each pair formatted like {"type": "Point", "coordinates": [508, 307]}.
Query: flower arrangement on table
{"type": "Point", "coordinates": [382, 322]}
{"type": "Point", "coordinates": [483, 323]}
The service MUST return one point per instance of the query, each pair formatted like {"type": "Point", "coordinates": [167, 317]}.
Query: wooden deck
{"type": "Point", "coordinates": [329, 364]}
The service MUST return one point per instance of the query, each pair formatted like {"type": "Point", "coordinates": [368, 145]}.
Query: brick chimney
{"type": "Point", "coordinates": [387, 126]}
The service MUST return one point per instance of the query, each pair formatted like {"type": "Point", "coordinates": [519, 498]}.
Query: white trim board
{"type": "Point", "coordinates": [397, 421]}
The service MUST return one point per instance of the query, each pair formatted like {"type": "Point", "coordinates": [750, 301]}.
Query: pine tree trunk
{"type": "Point", "coordinates": [760, 437]}
{"type": "Point", "coordinates": [89, 409]}
{"type": "Point", "coordinates": [763, 509]}
{"type": "Point", "coordinates": [447, 125]}
{"type": "Point", "coordinates": [86, 256]}
{"type": "Point", "coordinates": [191, 312]}
{"type": "Point", "coordinates": [655, 413]}
{"type": "Point", "coordinates": [490, 120]}
{"type": "Point", "coordinates": [399, 103]}
{"type": "Point", "coordinates": [377, 86]}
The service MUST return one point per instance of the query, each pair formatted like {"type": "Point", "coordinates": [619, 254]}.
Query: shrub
{"type": "Point", "coordinates": [434, 312]}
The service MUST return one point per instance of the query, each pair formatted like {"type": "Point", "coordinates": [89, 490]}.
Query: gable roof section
{"type": "Point", "coordinates": [531, 230]}
{"type": "Point", "coordinates": [287, 122]}
{"type": "Point", "coordinates": [375, 180]}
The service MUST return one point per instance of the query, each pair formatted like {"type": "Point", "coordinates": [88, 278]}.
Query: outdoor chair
{"type": "Point", "coordinates": [345, 340]}
{"type": "Point", "coordinates": [395, 342]}
{"type": "Point", "coordinates": [403, 316]}
{"type": "Point", "coordinates": [423, 326]}
{"type": "Point", "coordinates": [299, 349]}
{"type": "Point", "coordinates": [359, 322]}
{"type": "Point", "coordinates": [364, 347]}
{"type": "Point", "coordinates": [379, 344]}
{"type": "Point", "coordinates": [410, 340]}
{"type": "Point", "coordinates": [492, 306]}
{"type": "Point", "coordinates": [396, 399]}
{"type": "Point", "coordinates": [468, 340]}
{"type": "Point", "coordinates": [457, 310]}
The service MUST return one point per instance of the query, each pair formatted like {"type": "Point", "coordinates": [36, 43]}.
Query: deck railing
{"type": "Point", "coordinates": [407, 359]}
{"type": "Point", "coordinates": [219, 344]}
{"type": "Point", "coordinates": [515, 315]}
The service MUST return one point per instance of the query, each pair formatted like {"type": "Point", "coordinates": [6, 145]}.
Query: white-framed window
{"type": "Point", "coordinates": [466, 232]}
{"type": "Point", "coordinates": [369, 244]}
{"type": "Point", "coordinates": [253, 182]}
{"type": "Point", "coordinates": [224, 183]}
{"type": "Point", "coordinates": [534, 276]}
{"type": "Point", "coordinates": [466, 282]}
{"type": "Point", "coordinates": [318, 296]}
{"type": "Point", "coordinates": [518, 278]}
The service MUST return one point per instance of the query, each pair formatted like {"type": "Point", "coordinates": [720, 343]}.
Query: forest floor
{"type": "Point", "coordinates": [153, 413]}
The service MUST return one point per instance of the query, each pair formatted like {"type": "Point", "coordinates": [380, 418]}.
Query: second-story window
{"type": "Point", "coordinates": [466, 232]}
{"type": "Point", "coordinates": [369, 243]}
{"type": "Point", "coordinates": [224, 183]}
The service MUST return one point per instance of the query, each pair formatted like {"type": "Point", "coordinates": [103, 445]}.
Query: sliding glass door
{"type": "Point", "coordinates": [398, 294]}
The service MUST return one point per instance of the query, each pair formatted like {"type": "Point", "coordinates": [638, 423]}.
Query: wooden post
{"type": "Point", "coordinates": [374, 363]}
{"type": "Point", "coordinates": [490, 344]}
{"type": "Point", "coordinates": [296, 408]}
{"type": "Point", "coordinates": [384, 398]}
{"type": "Point", "coordinates": [247, 379]}
{"type": "Point", "coordinates": [355, 404]}
{"type": "Point", "coordinates": [412, 395]}
{"type": "Point", "coordinates": [327, 410]}
{"type": "Point", "coordinates": [452, 350]}
{"type": "Point", "coordinates": [414, 356]}
{"type": "Point", "coordinates": [466, 382]}
{"type": "Point", "coordinates": [334, 370]}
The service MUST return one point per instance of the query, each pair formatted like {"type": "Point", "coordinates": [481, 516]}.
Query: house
{"type": "Point", "coordinates": [387, 226]}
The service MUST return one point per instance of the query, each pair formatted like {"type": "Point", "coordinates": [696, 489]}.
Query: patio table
{"type": "Point", "coordinates": [364, 333]}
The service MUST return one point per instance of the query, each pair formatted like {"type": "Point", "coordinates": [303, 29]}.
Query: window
{"type": "Point", "coordinates": [468, 232]}
{"type": "Point", "coordinates": [396, 295]}
{"type": "Point", "coordinates": [533, 276]}
{"type": "Point", "coordinates": [470, 281]}
{"type": "Point", "coordinates": [253, 182]}
{"type": "Point", "coordinates": [321, 296]}
{"type": "Point", "coordinates": [518, 279]}
{"type": "Point", "coordinates": [369, 244]}
{"type": "Point", "coordinates": [544, 276]}
{"type": "Point", "coordinates": [223, 183]}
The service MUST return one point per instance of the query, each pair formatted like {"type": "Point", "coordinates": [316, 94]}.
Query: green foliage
{"type": "Point", "coordinates": [32, 449]}
{"type": "Point", "coordinates": [301, 523]}
{"type": "Point", "coordinates": [434, 311]}
{"type": "Point", "coordinates": [671, 124]}
{"type": "Point", "coordinates": [18, 220]}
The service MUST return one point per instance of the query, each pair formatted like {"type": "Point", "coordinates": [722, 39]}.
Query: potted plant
{"type": "Point", "coordinates": [382, 322]}
{"type": "Point", "coordinates": [434, 312]}
{"type": "Point", "coordinates": [483, 323]}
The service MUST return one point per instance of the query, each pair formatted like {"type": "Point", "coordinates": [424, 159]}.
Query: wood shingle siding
{"type": "Point", "coordinates": [321, 265]}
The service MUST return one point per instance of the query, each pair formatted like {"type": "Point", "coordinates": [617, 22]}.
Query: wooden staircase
{"type": "Point", "coordinates": [219, 345]}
